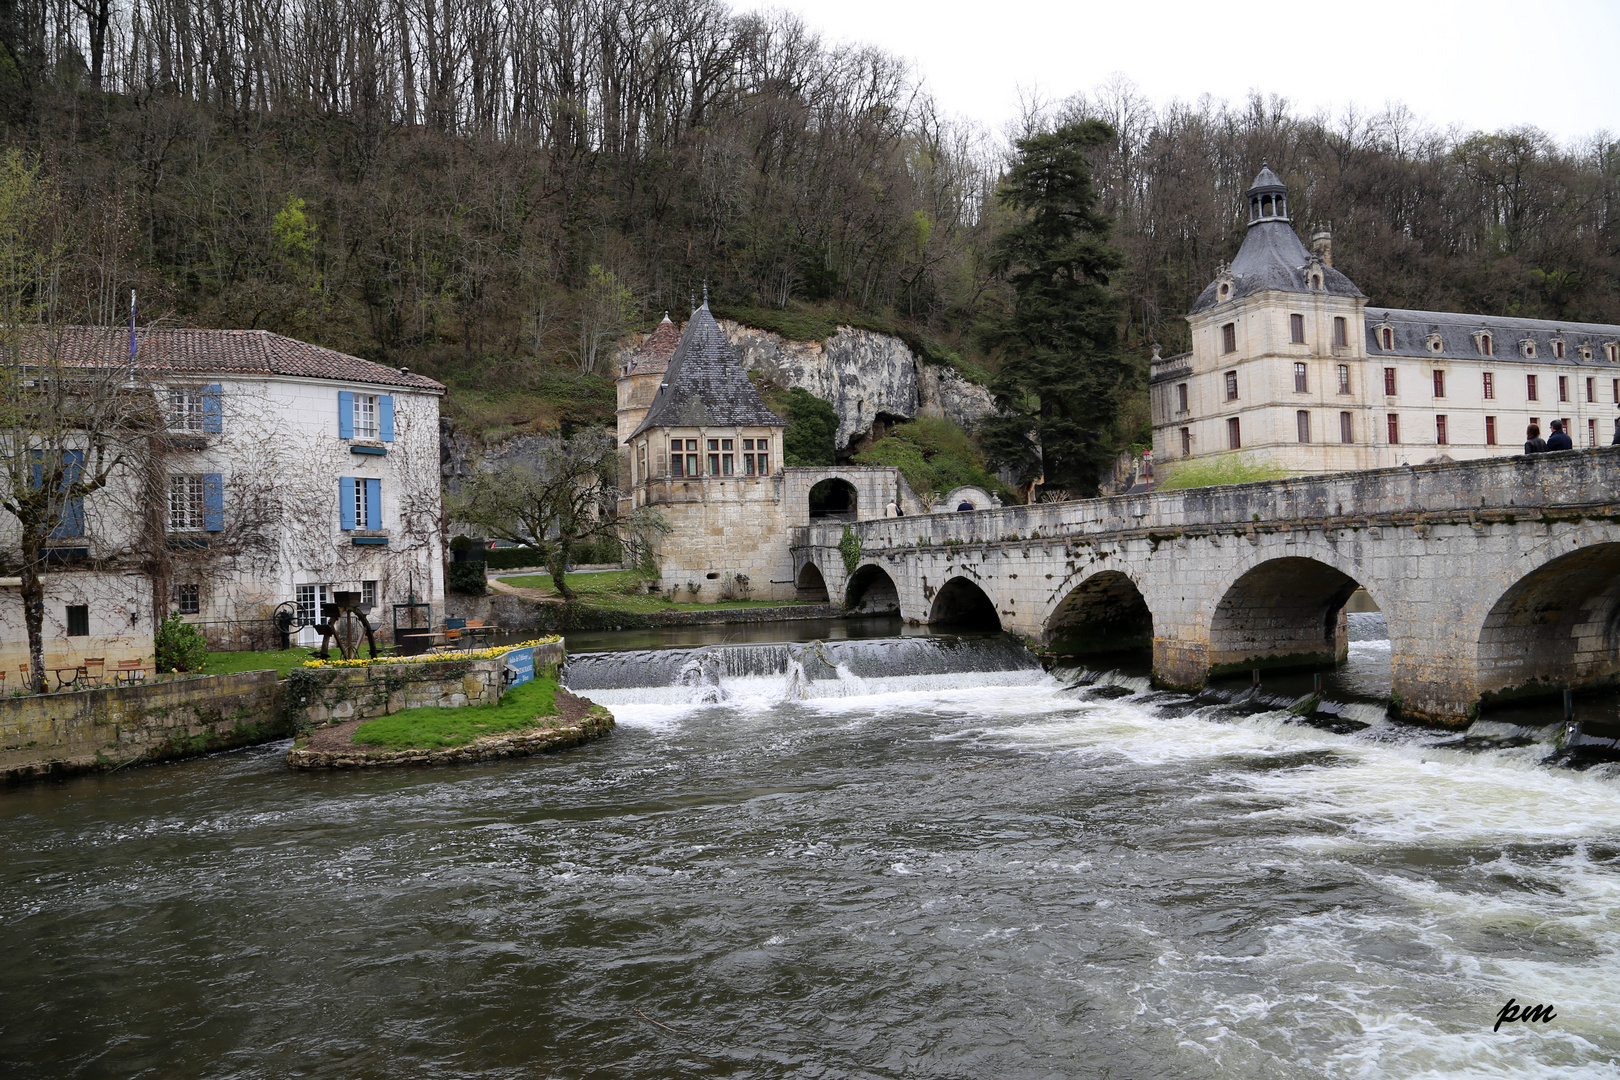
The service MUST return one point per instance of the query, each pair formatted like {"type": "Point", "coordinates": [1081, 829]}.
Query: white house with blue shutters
{"type": "Point", "coordinates": [289, 472]}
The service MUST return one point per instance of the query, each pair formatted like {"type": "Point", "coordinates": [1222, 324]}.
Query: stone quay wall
{"type": "Point", "coordinates": [322, 697]}
{"type": "Point", "coordinates": [94, 730]}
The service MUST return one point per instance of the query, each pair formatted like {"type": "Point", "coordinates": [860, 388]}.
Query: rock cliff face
{"type": "Point", "coordinates": [867, 377]}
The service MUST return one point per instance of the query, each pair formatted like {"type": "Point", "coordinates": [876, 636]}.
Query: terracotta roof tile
{"type": "Point", "coordinates": [653, 355]}
{"type": "Point", "coordinates": [231, 352]}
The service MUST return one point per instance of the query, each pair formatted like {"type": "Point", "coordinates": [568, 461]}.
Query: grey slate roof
{"type": "Point", "coordinates": [1272, 257]}
{"type": "Point", "coordinates": [1412, 330]}
{"type": "Point", "coordinates": [705, 385]}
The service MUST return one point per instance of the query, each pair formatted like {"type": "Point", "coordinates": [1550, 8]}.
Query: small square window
{"type": "Point", "coordinates": [78, 620]}
{"type": "Point", "coordinates": [188, 599]}
{"type": "Point", "coordinates": [368, 592]}
{"type": "Point", "coordinates": [714, 444]}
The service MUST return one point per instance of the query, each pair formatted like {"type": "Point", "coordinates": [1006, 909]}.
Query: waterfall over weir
{"type": "Point", "coordinates": [816, 669]}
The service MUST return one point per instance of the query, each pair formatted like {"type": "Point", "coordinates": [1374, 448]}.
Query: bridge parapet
{"type": "Point", "coordinates": [1502, 488]}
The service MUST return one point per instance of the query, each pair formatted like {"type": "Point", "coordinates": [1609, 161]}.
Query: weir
{"type": "Point", "coordinates": [801, 670]}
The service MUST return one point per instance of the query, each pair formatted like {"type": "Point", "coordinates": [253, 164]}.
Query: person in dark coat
{"type": "Point", "coordinates": [1534, 443]}
{"type": "Point", "coordinates": [1616, 441]}
{"type": "Point", "coordinates": [1558, 440]}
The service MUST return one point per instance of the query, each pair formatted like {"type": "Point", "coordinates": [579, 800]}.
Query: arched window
{"type": "Point", "coordinates": [1485, 345]}
{"type": "Point", "coordinates": [1389, 339]}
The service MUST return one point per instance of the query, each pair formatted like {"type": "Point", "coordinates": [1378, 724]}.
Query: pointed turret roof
{"type": "Point", "coordinates": [705, 385]}
{"type": "Point", "coordinates": [652, 356]}
{"type": "Point", "coordinates": [1272, 255]}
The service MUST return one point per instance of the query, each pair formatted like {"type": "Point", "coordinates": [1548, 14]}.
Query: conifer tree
{"type": "Point", "coordinates": [1062, 368]}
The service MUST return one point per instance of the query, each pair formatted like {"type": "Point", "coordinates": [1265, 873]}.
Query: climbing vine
{"type": "Point", "coordinates": [849, 546]}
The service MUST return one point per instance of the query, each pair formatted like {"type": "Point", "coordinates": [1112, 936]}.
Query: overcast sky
{"type": "Point", "coordinates": [1484, 64]}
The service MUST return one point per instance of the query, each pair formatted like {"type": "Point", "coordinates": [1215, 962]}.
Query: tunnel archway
{"type": "Point", "coordinates": [1556, 627]}
{"type": "Point", "coordinates": [962, 605]}
{"type": "Point", "coordinates": [1105, 613]}
{"type": "Point", "coordinates": [871, 591]}
{"type": "Point", "coordinates": [834, 498]}
{"type": "Point", "coordinates": [810, 585]}
{"type": "Point", "coordinates": [1284, 613]}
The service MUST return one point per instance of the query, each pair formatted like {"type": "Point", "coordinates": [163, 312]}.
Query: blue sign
{"type": "Point", "coordinates": [519, 667]}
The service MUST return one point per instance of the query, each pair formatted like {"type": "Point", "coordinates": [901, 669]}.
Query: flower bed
{"type": "Point", "coordinates": [429, 658]}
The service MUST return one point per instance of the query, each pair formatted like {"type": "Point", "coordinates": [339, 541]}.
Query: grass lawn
{"type": "Point", "coordinates": [281, 660]}
{"type": "Point", "coordinates": [612, 589]}
{"type": "Point", "coordinates": [433, 728]}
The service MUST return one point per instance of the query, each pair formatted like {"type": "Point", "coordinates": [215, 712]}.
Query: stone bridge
{"type": "Point", "coordinates": [1498, 578]}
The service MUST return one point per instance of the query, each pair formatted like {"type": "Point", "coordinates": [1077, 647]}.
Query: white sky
{"type": "Point", "coordinates": [1482, 64]}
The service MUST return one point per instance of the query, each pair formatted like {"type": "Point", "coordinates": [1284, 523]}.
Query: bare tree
{"type": "Point", "coordinates": [563, 497]}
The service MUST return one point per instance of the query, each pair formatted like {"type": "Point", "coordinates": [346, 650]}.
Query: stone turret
{"type": "Point", "coordinates": [641, 373]}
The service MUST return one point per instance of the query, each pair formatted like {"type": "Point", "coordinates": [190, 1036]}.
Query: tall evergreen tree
{"type": "Point", "coordinates": [1062, 370]}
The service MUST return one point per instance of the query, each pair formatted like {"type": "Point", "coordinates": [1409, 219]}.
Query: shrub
{"type": "Point", "coordinates": [1217, 469]}
{"type": "Point", "coordinates": [811, 437]}
{"type": "Point", "coordinates": [933, 454]}
{"type": "Point", "coordinates": [467, 578]}
{"type": "Point", "coordinates": [179, 646]}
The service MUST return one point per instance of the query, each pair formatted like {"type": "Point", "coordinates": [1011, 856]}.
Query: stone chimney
{"type": "Point", "coordinates": [1322, 244]}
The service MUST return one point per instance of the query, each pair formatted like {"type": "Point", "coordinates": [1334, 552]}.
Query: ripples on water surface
{"type": "Point", "coordinates": [833, 872]}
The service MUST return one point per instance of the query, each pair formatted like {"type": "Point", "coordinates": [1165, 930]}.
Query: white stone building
{"type": "Point", "coordinates": [287, 471]}
{"type": "Point", "coordinates": [1291, 363]}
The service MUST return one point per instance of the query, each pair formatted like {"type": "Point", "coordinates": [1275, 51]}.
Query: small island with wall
{"type": "Point", "coordinates": [503, 702]}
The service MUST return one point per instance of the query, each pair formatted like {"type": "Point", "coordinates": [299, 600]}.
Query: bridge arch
{"type": "Point", "coordinates": [810, 585]}
{"type": "Point", "coordinates": [1105, 612]}
{"type": "Point", "coordinates": [1557, 626]}
{"type": "Point", "coordinates": [834, 499]}
{"type": "Point", "coordinates": [1286, 612]}
{"type": "Point", "coordinates": [871, 591]}
{"type": "Point", "coordinates": [962, 605]}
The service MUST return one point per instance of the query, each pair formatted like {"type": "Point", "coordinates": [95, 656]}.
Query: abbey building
{"type": "Point", "coordinates": [1291, 363]}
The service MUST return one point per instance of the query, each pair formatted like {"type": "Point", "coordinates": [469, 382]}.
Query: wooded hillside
{"type": "Point", "coordinates": [490, 192]}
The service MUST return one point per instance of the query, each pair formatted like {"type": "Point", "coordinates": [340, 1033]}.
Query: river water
{"type": "Point", "coordinates": [867, 858]}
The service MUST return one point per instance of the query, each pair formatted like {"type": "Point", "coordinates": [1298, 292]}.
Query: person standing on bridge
{"type": "Point", "coordinates": [1534, 443]}
{"type": "Point", "coordinates": [1559, 440]}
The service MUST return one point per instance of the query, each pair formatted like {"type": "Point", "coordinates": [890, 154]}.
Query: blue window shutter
{"type": "Point", "coordinates": [213, 409]}
{"type": "Point", "coordinates": [385, 416]}
{"type": "Point", "coordinates": [373, 504]}
{"type": "Point", "coordinates": [71, 521]}
{"type": "Point", "coordinates": [346, 501]}
{"type": "Point", "coordinates": [345, 414]}
{"type": "Point", "coordinates": [213, 502]}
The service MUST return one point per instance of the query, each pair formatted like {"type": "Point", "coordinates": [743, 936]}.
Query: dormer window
{"type": "Point", "coordinates": [1482, 342]}
{"type": "Point", "coordinates": [1611, 352]}
{"type": "Point", "coordinates": [1435, 343]}
{"type": "Point", "coordinates": [1527, 349]}
{"type": "Point", "coordinates": [1386, 337]}
{"type": "Point", "coordinates": [1316, 282]}
{"type": "Point", "coordinates": [1225, 289]}
{"type": "Point", "coordinates": [1558, 347]}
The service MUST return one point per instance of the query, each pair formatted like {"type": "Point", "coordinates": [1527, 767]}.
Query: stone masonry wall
{"type": "Point", "coordinates": [103, 729]}
{"type": "Point", "coordinates": [322, 697]}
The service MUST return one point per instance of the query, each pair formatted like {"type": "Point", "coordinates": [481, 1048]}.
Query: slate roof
{"type": "Point", "coordinates": [705, 385]}
{"type": "Point", "coordinates": [652, 356]}
{"type": "Point", "coordinates": [1412, 330]}
{"type": "Point", "coordinates": [230, 352]}
{"type": "Point", "coordinates": [1272, 257]}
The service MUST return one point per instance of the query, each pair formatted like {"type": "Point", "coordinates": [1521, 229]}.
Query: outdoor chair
{"type": "Point", "coordinates": [129, 672]}
{"type": "Point", "coordinates": [93, 671]}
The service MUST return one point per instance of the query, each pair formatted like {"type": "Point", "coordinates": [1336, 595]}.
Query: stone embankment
{"type": "Point", "coordinates": [109, 728]}
{"type": "Point", "coordinates": [517, 609]}
{"type": "Point", "coordinates": [577, 721]}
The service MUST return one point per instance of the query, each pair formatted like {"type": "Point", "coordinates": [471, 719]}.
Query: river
{"type": "Point", "coordinates": [880, 857]}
